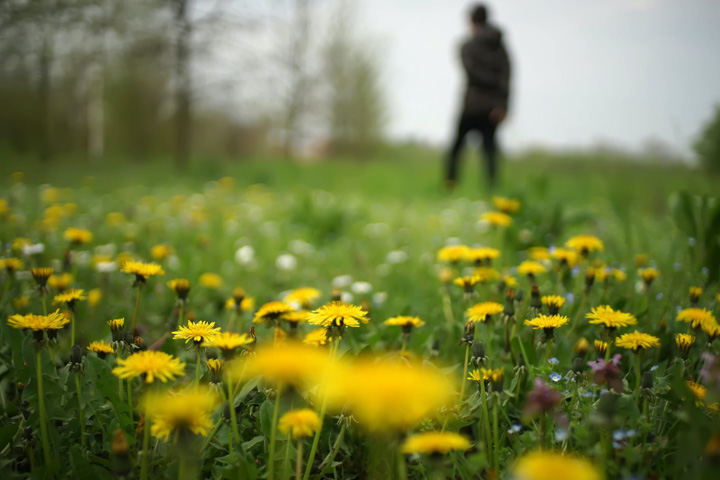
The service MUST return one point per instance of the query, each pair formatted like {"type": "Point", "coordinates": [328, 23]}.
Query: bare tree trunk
{"type": "Point", "coordinates": [300, 32]}
{"type": "Point", "coordinates": [183, 85]}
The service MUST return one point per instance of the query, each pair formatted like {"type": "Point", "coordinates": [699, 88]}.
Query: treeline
{"type": "Point", "coordinates": [184, 77]}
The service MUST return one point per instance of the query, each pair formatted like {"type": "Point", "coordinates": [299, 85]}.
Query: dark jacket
{"type": "Point", "coordinates": [487, 67]}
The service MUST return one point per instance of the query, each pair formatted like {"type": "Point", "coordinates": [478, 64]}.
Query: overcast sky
{"type": "Point", "coordinates": [585, 71]}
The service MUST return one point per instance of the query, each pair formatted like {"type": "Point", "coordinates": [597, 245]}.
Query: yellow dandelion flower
{"type": "Point", "coordinates": [60, 282]}
{"type": "Point", "coordinates": [618, 274]}
{"type": "Point", "coordinates": [641, 259]}
{"type": "Point", "coordinates": [637, 340]}
{"type": "Point", "coordinates": [21, 302]}
{"type": "Point", "coordinates": [600, 348]}
{"type": "Point", "coordinates": [210, 280]}
{"type": "Point", "coordinates": [539, 253]}
{"type": "Point", "coordinates": [215, 367]}
{"type": "Point", "coordinates": [188, 411]}
{"type": "Point", "coordinates": [272, 311]}
{"type": "Point", "coordinates": [547, 322]}
{"type": "Point", "coordinates": [496, 219]}
{"type": "Point", "coordinates": [141, 270]}
{"type": "Point", "coordinates": [305, 297]}
{"type": "Point", "coordinates": [506, 205]}
{"type": "Point", "coordinates": [605, 315]}
{"type": "Point", "coordinates": [181, 287]}
{"type": "Point", "coordinates": [453, 253]}
{"type": "Point", "coordinates": [299, 423]}
{"type": "Point", "coordinates": [547, 465]}
{"type": "Point", "coordinates": [700, 391]}
{"type": "Point", "coordinates": [581, 347]}
{"type": "Point", "coordinates": [245, 304]}
{"type": "Point", "coordinates": [316, 337]}
{"type": "Point", "coordinates": [553, 302]}
{"type": "Point", "coordinates": [684, 342]}
{"type": "Point", "coordinates": [53, 321]}
{"type": "Point", "coordinates": [531, 268]}
{"type": "Point", "coordinates": [648, 274]}
{"type": "Point", "coordinates": [101, 348]}
{"type": "Point", "coordinates": [404, 321]}
{"type": "Point", "coordinates": [482, 254]}
{"type": "Point", "coordinates": [288, 364]}
{"type": "Point", "coordinates": [228, 341]}
{"type": "Point", "coordinates": [388, 396]}
{"type": "Point", "coordinates": [152, 364]}
{"type": "Point", "coordinates": [481, 311]}
{"type": "Point", "coordinates": [94, 297]}
{"type": "Point", "coordinates": [338, 314]}
{"type": "Point", "coordinates": [161, 251]}
{"type": "Point", "coordinates": [78, 235]}
{"type": "Point", "coordinates": [509, 281]}
{"type": "Point", "coordinates": [695, 293]}
{"type": "Point", "coordinates": [19, 243]}
{"type": "Point", "coordinates": [198, 332]}
{"type": "Point", "coordinates": [584, 244]}
{"type": "Point", "coordinates": [41, 275]}
{"type": "Point", "coordinates": [486, 274]}
{"type": "Point", "coordinates": [696, 317]}
{"type": "Point", "coordinates": [434, 443]}
{"type": "Point", "coordinates": [69, 297]}
{"type": "Point", "coordinates": [299, 316]}
{"type": "Point", "coordinates": [565, 257]}
{"type": "Point", "coordinates": [114, 219]}
{"type": "Point", "coordinates": [467, 282]}
{"type": "Point", "coordinates": [487, 375]}
{"type": "Point", "coordinates": [117, 324]}
{"type": "Point", "coordinates": [711, 329]}
{"type": "Point", "coordinates": [11, 264]}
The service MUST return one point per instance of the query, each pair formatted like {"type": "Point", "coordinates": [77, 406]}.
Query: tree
{"type": "Point", "coordinates": [707, 145]}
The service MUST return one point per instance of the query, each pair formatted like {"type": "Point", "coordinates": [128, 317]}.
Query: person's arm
{"type": "Point", "coordinates": [505, 75]}
{"type": "Point", "coordinates": [477, 74]}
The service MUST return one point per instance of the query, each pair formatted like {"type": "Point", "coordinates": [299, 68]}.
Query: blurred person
{"type": "Point", "coordinates": [487, 68]}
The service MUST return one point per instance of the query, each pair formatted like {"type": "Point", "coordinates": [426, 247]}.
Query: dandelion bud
{"type": "Point", "coordinates": [445, 276]}
{"type": "Point", "coordinates": [647, 380]}
{"type": "Point", "coordinates": [606, 405]}
{"type": "Point", "coordinates": [335, 295]}
{"type": "Point", "coordinates": [578, 365]}
{"type": "Point", "coordinates": [581, 347]}
{"type": "Point", "coordinates": [695, 293]}
{"type": "Point", "coordinates": [535, 301]}
{"type": "Point", "coordinates": [122, 465]}
{"type": "Point", "coordinates": [518, 295]}
{"type": "Point", "coordinates": [216, 368]}
{"type": "Point", "coordinates": [76, 354]}
{"type": "Point", "coordinates": [469, 334]}
{"type": "Point", "coordinates": [139, 343]}
{"type": "Point", "coordinates": [509, 308]}
{"type": "Point", "coordinates": [589, 279]}
{"type": "Point", "coordinates": [662, 326]}
{"type": "Point", "coordinates": [600, 348]}
{"type": "Point", "coordinates": [238, 297]}
{"type": "Point", "coordinates": [684, 343]}
{"type": "Point", "coordinates": [435, 349]}
{"type": "Point", "coordinates": [128, 337]}
{"type": "Point", "coordinates": [478, 350]}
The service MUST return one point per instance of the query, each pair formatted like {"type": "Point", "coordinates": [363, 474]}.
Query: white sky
{"type": "Point", "coordinates": [622, 71]}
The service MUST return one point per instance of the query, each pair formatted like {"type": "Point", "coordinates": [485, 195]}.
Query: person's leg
{"type": "Point", "coordinates": [488, 130]}
{"type": "Point", "coordinates": [451, 166]}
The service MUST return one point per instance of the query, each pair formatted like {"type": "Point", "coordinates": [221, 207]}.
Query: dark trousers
{"type": "Point", "coordinates": [482, 124]}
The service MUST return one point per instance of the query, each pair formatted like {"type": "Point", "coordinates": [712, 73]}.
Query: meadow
{"type": "Point", "coordinates": [373, 325]}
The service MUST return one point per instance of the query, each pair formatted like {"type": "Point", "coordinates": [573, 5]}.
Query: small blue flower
{"type": "Point", "coordinates": [553, 361]}
{"type": "Point", "coordinates": [570, 298]}
{"type": "Point", "coordinates": [659, 296]}
{"type": "Point", "coordinates": [705, 271]}
{"type": "Point", "coordinates": [514, 429]}
{"type": "Point", "coordinates": [575, 271]}
{"type": "Point", "coordinates": [617, 445]}
{"type": "Point", "coordinates": [618, 435]}
{"type": "Point", "coordinates": [654, 367]}
{"type": "Point", "coordinates": [555, 377]}
{"type": "Point", "coordinates": [677, 266]}
{"type": "Point", "coordinates": [691, 241]}
{"type": "Point", "coordinates": [588, 394]}
{"type": "Point", "coordinates": [561, 434]}
{"type": "Point", "coordinates": [630, 433]}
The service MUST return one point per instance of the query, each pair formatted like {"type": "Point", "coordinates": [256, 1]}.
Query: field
{"type": "Point", "coordinates": [511, 399]}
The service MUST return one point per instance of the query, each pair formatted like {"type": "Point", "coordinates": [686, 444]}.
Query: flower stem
{"type": "Point", "coordinates": [298, 460]}
{"type": "Point", "coordinates": [137, 308]}
{"type": "Point", "coordinates": [323, 407]}
{"type": "Point", "coordinates": [402, 473]}
{"type": "Point", "coordinates": [486, 419]}
{"type": "Point", "coordinates": [209, 438]}
{"type": "Point", "coordinates": [637, 378]}
{"type": "Point", "coordinates": [231, 406]}
{"type": "Point", "coordinates": [72, 327]}
{"type": "Point", "coordinates": [286, 463]}
{"type": "Point", "coordinates": [273, 432]}
{"type": "Point", "coordinates": [120, 389]}
{"type": "Point", "coordinates": [465, 369]}
{"type": "Point", "coordinates": [197, 369]}
{"type": "Point", "coordinates": [81, 413]}
{"type": "Point", "coordinates": [336, 448]}
{"type": "Point", "coordinates": [496, 438]}
{"type": "Point", "coordinates": [145, 451]}
{"type": "Point", "coordinates": [41, 406]}
{"type": "Point", "coordinates": [579, 312]}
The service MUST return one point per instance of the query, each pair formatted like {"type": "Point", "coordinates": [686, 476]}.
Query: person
{"type": "Point", "coordinates": [487, 68]}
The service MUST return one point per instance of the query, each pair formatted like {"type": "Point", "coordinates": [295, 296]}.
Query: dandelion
{"type": "Point", "coordinates": [695, 293]}
{"type": "Point", "coordinates": [696, 317]}
{"type": "Point", "coordinates": [11, 264]}
{"type": "Point", "coordinates": [161, 251]}
{"type": "Point", "coordinates": [198, 332]}
{"type": "Point", "coordinates": [637, 341]}
{"type": "Point", "coordinates": [600, 348]}
{"type": "Point", "coordinates": [212, 281]}
{"type": "Point", "coordinates": [78, 236]}
{"type": "Point", "coordinates": [181, 287]}
{"type": "Point", "coordinates": [496, 219]}
{"type": "Point", "coordinates": [467, 283]}
{"type": "Point", "coordinates": [228, 342]}
{"type": "Point", "coordinates": [453, 253]}
{"type": "Point", "coordinates": [337, 315]}
{"type": "Point", "coordinates": [585, 244]}
{"type": "Point", "coordinates": [116, 328]}
{"type": "Point", "coordinates": [566, 258]}
{"type": "Point", "coordinates": [539, 253]}
{"type": "Point", "coordinates": [69, 297]}
{"type": "Point", "coordinates": [39, 323]}
{"type": "Point", "coordinates": [648, 274]}
{"type": "Point", "coordinates": [483, 311]}
{"type": "Point", "coordinates": [41, 275]}
{"type": "Point", "coordinates": [434, 443]}
{"type": "Point", "coordinates": [94, 297]}
{"type": "Point", "coordinates": [546, 465]}
{"type": "Point", "coordinates": [299, 423]}
{"type": "Point", "coordinates": [547, 323]}
{"type": "Point", "coordinates": [404, 321]}
{"type": "Point", "coordinates": [684, 342]}
{"type": "Point", "coordinates": [141, 270]}
{"type": "Point", "coordinates": [215, 367]}
{"type": "Point", "coordinates": [316, 337]}
{"type": "Point", "coordinates": [60, 282]}
{"type": "Point", "coordinates": [506, 205]}
{"type": "Point", "coordinates": [180, 413]}
{"type": "Point", "coordinates": [531, 269]}
{"type": "Point", "coordinates": [151, 365]}
{"type": "Point", "coordinates": [102, 348]}
{"type": "Point", "coordinates": [581, 347]}
{"type": "Point", "coordinates": [712, 330]}
{"type": "Point", "coordinates": [610, 318]}
{"type": "Point", "coordinates": [482, 255]}
{"type": "Point", "coordinates": [699, 392]}
{"type": "Point", "coordinates": [305, 297]}
{"type": "Point", "coordinates": [272, 312]}
{"type": "Point", "coordinates": [553, 302]}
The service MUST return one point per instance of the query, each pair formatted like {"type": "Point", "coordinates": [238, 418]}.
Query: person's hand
{"type": "Point", "coordinates": [497, 115]}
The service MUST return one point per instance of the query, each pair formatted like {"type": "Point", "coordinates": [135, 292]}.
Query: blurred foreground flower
{"type": "Point", "coordinates": [150, 365]}
{"type": "Point", "coordinates": [180, 413]}
{"type": "Point", "coordinates": [299, 423]}
{"type": "Point", "coordinates": [544, 465]}
{"type": "Point", "coordinates": [434, 443]}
